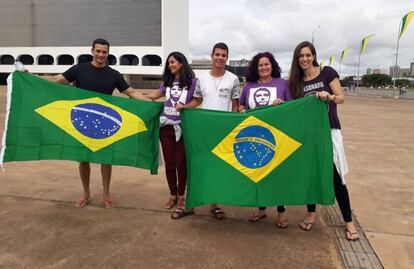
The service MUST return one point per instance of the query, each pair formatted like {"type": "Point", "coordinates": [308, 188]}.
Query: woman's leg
{"type": "Point", "coordinates": [181, 166]}
{"type": "Point", "coordinates": [342, 197]}
{"type": "Point", "coordinates": [167, 138]}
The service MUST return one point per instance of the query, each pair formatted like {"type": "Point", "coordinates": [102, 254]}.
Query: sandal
{"type": "Point", "coordinates": [282, 223]}
{"type": "Point", "coordinates": [180, 213]}
{"type": "Point", "coordinates": [108, 203]}
{"type": "Point", "coordinates": [82, 202]}
{"type": "Point", "coordinates": [218, 213]}
{"type": "Point", "coordinates": [306, 226]}
{"type": "Point", "coordinates": [256, 216]}
{"type": "Point", "coordinates": [350, 235]}
{"type": "Point", "coordinates": [172, 201]}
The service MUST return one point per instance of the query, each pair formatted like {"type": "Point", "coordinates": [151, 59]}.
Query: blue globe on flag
{"type": "Point", "coordinates": [255, 146]}
{"type": "Point", "coordinates": [95, 120]}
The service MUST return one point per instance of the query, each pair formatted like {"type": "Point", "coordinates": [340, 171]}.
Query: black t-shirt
{"type": "Point", "coordinates": [321, 83]}
{"type": "Point", "coordinates": [102, 80]}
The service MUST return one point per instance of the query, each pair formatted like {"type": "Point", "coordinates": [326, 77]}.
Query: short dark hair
{"type": "Point", "coordinates": [220, 45]}
{"type": "Point", "coordinates": [100, 41]}
{"type": "Point", "coordinates": [253, 74]}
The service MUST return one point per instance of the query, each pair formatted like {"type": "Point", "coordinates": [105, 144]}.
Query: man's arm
{"type": "Point", "coordinates": [235, 105]}
{"type": "Point", "coordinates": [57, 79]}
{"type": "Point", "coordinates": [135, 94]}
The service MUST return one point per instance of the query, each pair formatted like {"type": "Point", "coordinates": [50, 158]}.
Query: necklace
{"type": "Point", "coordinates": [216, 85]}
{"type": "Point", "coordinates": [264, 82]}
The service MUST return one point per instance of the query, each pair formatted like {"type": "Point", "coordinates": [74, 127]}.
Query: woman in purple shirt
{"type": "Point", "coordinates": [265, 87]}
{"type": "Point", "coordinates": [178, 87]}
{"type": "Point", "coordinates": [307, 78]}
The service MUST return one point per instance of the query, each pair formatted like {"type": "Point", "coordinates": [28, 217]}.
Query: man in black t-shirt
{"type": "Point", "coordinates": [97, 76]}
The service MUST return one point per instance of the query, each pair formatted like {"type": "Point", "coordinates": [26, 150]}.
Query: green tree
{"type": "Point", "coordinates": [402, 82]}
{"type": "Point", "coordinates": [347, 81]}
{"type": "Point", "coordinates": [376, 80]}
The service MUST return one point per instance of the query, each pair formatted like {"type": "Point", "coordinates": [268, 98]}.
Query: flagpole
{"type": "Point", "coordinates": [339, 70]}
{"type": "Point", "coordinates": [359, 60]}
{"type": "Point", "coordinates": [395, 73]}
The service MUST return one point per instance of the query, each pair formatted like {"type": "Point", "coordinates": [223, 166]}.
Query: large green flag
{"type": "Point", "coordinates": [46, 121]}
{"type": "Point", "coordinates": [268, 156]}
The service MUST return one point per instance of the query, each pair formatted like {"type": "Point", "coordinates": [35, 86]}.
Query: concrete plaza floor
{"type": "Point", "coordinates": [42, 229]}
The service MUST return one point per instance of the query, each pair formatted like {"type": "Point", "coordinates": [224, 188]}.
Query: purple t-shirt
{"type": "Point", "coordinates": [173, 95]}
{"type": "Point", "coordinates": [256, 94]}
{"type": "Point", "coordinates": [321, 83]}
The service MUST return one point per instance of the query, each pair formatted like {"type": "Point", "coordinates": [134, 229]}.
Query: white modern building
{"type": "Point", "coordinates": [49, 36]}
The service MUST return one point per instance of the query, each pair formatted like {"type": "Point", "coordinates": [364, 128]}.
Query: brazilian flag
{"type": "Point", "coordinates": [268, 156]}
{"type": "Point", "coordinates": [46, 121]}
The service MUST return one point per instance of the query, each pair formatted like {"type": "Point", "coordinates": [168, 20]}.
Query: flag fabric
{"type": "Point", "coordinates": [46, 121]}
{"type": "Point", "coordinates": [344, 54]}
{"type": "Point", "coordinates": [364, 43]}
{"type": "Point", "coordinates": [322, 63]}
{"type": "Point", "coordinates": [268, 156]}
{"type": "Point", "coordinates": [405, 21]}
{"type": "Point", "coordinates": [331, 60]}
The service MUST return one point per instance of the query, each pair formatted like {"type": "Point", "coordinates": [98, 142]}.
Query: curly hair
{"type": "Point", "coordinates": [253, 74]}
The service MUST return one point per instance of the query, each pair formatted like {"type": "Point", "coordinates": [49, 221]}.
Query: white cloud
{"type": "Point", "coordinates": [249, 27]}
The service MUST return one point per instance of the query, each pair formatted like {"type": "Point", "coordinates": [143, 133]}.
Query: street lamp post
{"type": "Point", "coordinates": [313, 33]}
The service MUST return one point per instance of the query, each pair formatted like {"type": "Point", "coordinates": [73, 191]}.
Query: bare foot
{"type": "Point", "coordinates": [180, 202]}
{"type": "Point", "coordinates": [172, 201]}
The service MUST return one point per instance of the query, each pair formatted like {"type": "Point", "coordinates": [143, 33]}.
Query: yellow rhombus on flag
{"type": "Point", "coordinates": [93, 122]}
{"type": "Point", "coordinates": [255, 148]}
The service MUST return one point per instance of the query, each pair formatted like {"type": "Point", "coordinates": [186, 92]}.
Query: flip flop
{"type": "Point", "coordinates": [306, 226]}
{"type": "Point", "coordinates": [351, 234]}
{"type": "Point", "coordinates": [282, 224]}
{"type": "Point", "coordinates": [82, 202]}
{"type": "Point", "coordinates": [218, 213]}
{"type": "Point", "coordinates": [180, 213]}
{"type": "Point", "coordinates": [108, 204]}
{"type": "Point", "coordinates": [256, 217]}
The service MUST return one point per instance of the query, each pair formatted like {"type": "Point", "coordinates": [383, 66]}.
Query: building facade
{"type": "Point", "coordinates": [49, 36]}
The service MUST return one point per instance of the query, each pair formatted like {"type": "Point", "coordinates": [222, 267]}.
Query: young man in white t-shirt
{"type": "Point", "coordinates": [217, 89]}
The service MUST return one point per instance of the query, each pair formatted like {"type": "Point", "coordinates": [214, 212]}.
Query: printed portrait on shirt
{"type": "Point", "coordinates": [173, 95]}
{"type": "Point", "coordinates": [262, 96]}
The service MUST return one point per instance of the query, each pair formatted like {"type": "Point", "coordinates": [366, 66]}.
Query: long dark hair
{"type": "Point", "coordinates": [296, 72]}
{"type": "Point", "coordinates": [185, 75]}
{"type": "Point", "coordinates": [253, 74]}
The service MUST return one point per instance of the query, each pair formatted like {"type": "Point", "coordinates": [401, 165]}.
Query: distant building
{"type": "Point", "coordinates": [395, 71]}
{"type": "Point", "coordinates": [242, 62]}
{"type": "Point", "coordinates": [200, 64]}
{"type": "Point", "coordinates": [405, 72]}
{"type": "Point", "coordinates": [369, 71]}
{"type": "Point", "coordinates": [412, 70]}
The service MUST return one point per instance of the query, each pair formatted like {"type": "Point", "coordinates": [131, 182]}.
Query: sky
{"type": "Point", "coordinates": [252, 26]}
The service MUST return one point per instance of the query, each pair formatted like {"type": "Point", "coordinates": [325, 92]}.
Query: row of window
{"type": "Point", "coordinates": [66, 59]}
